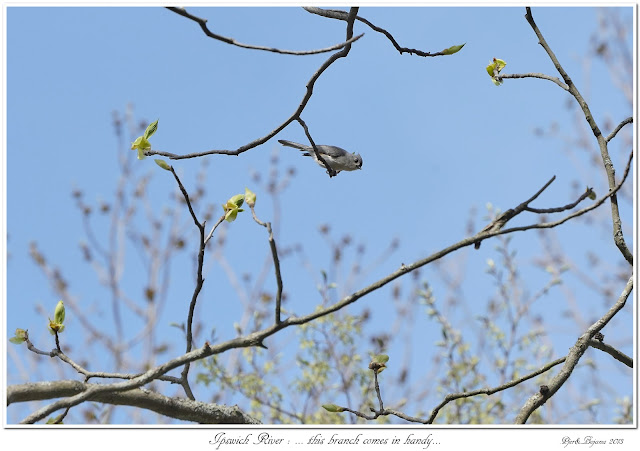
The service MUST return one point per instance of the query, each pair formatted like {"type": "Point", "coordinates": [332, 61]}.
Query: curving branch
{"type": "Point", "coordinates": [198, 287]}
{"type": "Point", "coordinates": [602, 141]}
{"type": "Point", "coordinates": [203, 24]}
{"type": "Point", "coordinates": [342, 15]}
{"type": "Point", "coordinates": [556, 80]}
{"type": "Point", "coordinates": [310, 85]}
{"type": "Point", "coordinates": [575, 353]}
{"type": "Point", "coordinates": [596, 204]}
{"type": "Point", "coordinates": [612, 135]}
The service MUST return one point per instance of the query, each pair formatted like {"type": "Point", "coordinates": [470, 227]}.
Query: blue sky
{"type": "Point", "coordinates": [436, 136]}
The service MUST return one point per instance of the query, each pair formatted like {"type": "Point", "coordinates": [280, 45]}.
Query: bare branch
{"type": "Point", "coordinates": [505, 217]}
{"type": "Point", "coordinates": [203, 24]}
{"type": "Point", "coordinates": [491, 391]}
{"type": "Point", "coordinates": [602, 142]}
{"type": "Point", "coordinates": [333, 58]}
{"type": "Point", "coordinates": [612, 135]}
{"type": "Point", "coordinates": [276, 262]}
{"type": "Point", "coordinates": [588, 192]}
{"type": "Point", "coordinates": [330, 170]}
{"type": "Point", "coordinates": [596, 204]}
{"type": "Point", "coordinates": [196, 290]}
{"type": "Point", "coordinates": [613, 352]}
{"type": "Point", "coordinates": [556, 80]}
{"type": "Point", "coordinates": [342, 15]}
{"type": "Point", "coordinates": [575, 353]}
{"type": "Point", "coordinates": [178, 408]}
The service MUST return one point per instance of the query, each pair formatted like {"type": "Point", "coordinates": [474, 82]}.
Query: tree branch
{"type": "Point", "coordinates": [257, 338]}
{"type": "Point", "coordinates": [203, 24]}
{"type": "Point", "coordinates": [310, 84]}
{"type": "Point", "coordinates": [613, 352]}
{"type": "Point", "coordinates": [196, 291]}
{"type": "Point", "coordinates": [342, 15]}
{"type": "Point", "coordinates": [276, 262]}
{"type": "Point", "coordinates": [602, 142]}
{"type": "Point", "coordinates": [575, 353]}
{"type": "Point", "coordinates": [612, 135]}
{"type": "Point", "coordinates": [178, 408]}
{"type": "Point", "coordinates": [556, 80]}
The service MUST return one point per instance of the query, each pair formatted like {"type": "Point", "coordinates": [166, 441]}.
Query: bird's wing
{"type": "Point", "coordinates": [332, 151]}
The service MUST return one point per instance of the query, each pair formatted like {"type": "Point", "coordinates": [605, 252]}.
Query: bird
{"type": "Point", "coordinates": [336, 157]}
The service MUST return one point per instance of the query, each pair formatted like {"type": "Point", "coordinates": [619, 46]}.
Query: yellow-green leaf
{"type": "Point", "coordinates": [59, 313]}
{"type": "Point", "coordinates": [231, 215]}
{"type": "Point", "coordinates": [332, 408]}
{"type": "Point", "coordinates": [151, 129]}
{"type": "Point", "coordinates": [136, 143]}
{"type": "Point", "coordinates": [249, 197]}
{"type": "Point", "coordinates": [163, 164]}
{"type": "Point", "coordinates": [453, 49]}
{"type": "Point", "coordinates": [237, 200]}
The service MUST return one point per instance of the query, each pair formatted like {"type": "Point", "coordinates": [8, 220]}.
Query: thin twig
{"type": "Point", "coordinates": [556, 80]}
{"type": "Point", "coordinates": [342, 15]}
{"type": "Point", "coordinates": [203, 24]}
{"type": "Point", "coordinates": [32, 348]}
{"type": "Point", "coordinates": [330, 170]}
{"type": "Point", "coordinates": [628, 120]}
{"type": "Point", "coordinates": [491, 391]}
{"type": "Point", "coordinates": [196, 290]}
{"type": "Point", "coordinates": [505, 217]}
{"type": "Point", "coordinates": [583, 196]}
{"type": "Point", "coordinates": [213, 229]}
{"type": "Point", "coordinates": [596, 204]}
{"type": "Point", "coordinates": [276, 263]}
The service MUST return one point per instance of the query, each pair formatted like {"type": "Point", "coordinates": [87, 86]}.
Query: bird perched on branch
{"type": "Point", "coordinates": [337, 158]}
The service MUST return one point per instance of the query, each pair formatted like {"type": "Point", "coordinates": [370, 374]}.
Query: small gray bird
{"type": "Point", "coordinates": [336, 157]}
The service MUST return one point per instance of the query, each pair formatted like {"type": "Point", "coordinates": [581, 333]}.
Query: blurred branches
{"type": "Point", "coordinates": [329, 348]}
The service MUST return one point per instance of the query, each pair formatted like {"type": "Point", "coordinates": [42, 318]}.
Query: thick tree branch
{"type": "Point", "coordinates": [575, 353]}
{"type": "Point", "coordinates": [178, 408]}
{"type": "Point", "coordinates": [203, 24]}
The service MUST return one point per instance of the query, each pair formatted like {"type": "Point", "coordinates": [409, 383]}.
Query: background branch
{"type": "Point", "coordinates": [575, 353]}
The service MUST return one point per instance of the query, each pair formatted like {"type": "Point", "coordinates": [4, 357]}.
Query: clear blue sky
{"type": "Point", "coordinates": [436, 136]}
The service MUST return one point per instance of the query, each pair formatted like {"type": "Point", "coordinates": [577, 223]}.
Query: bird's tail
{"type": "Point", "coordinates": [284, 142]}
